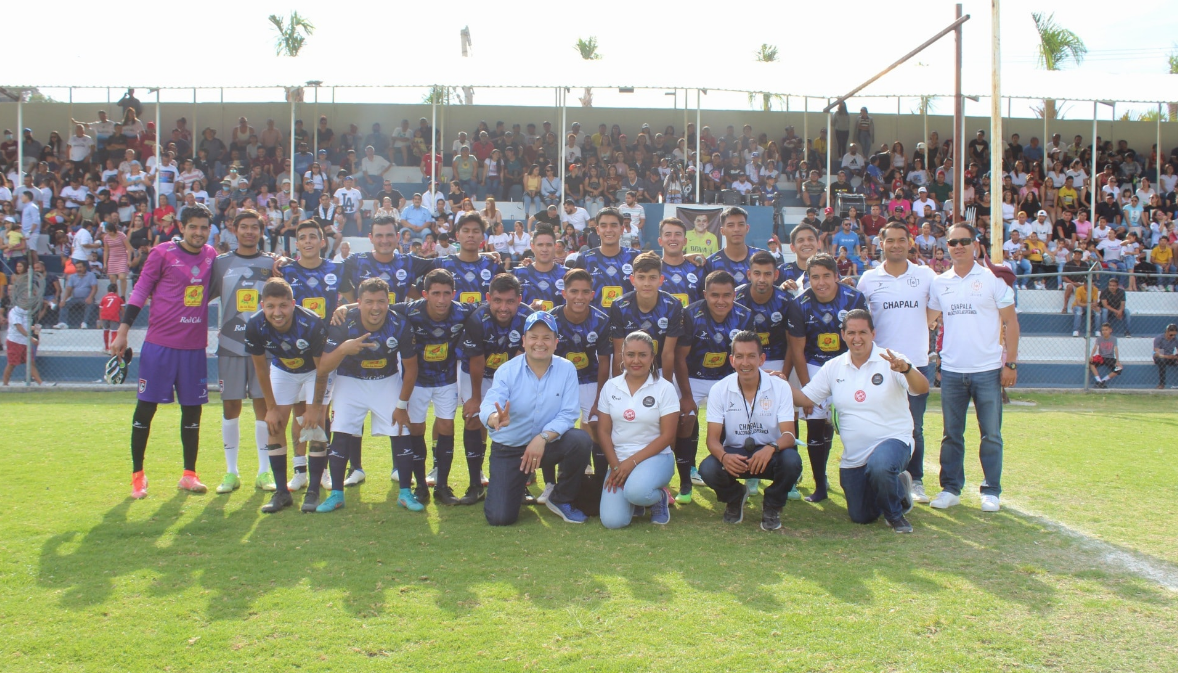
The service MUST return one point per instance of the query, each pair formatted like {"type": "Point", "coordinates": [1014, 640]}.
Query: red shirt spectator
{"type": "Point", "coordinates": [110, 307]}
{"type": "Point", "coordinates": [482, 149]}
{"type": "Point", "coordinates": [158, 214]}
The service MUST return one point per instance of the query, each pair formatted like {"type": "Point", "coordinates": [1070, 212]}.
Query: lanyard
{"type": "Point", "coordinates": [748, 411]}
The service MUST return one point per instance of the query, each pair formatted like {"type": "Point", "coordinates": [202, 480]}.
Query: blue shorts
{"type": "Point", "coordinates": [163, 370]}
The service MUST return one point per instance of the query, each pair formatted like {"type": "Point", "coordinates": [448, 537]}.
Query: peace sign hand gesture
{"type": "Point", "coordinates": [898, 363]}
{"type": "Point", "coordinates": [501, 418]}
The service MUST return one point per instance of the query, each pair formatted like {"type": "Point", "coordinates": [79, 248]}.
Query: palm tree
{"type": "Point", "coordinates": [766, 54]}
{"type": "Point", "coordinates": [588, 50]}
{"type": "Point", "coordinates": [292, 33]}
{"type": "Point", "coordinates": [1057, 47]}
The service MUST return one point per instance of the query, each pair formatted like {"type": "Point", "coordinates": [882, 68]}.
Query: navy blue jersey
{"type": "Point", "coordinates": [822, 323]}
{"type": "Point", "coordinates": [770, 320]}
{"type": "Point", "coordinates": [437, 340]}
{"type": "Point", "coordinates": [789, 271]}
{"type": "Point", "coordinates": [583, 344]}
{"type": "Point", "coordinates": [486, 337]}
{"type": "Point", "coordinates": [684, 282]}
{"type": "Point", "coordinates": [664, 320]}
{"type": "Point", "coordinates": [392, 339]}
{"type": "Point", "coordinates": [472, 280]}
{"type": "Point", "coordinates": [401, 273]}
{"type": "Point", "coordinates": [711, 341]}
{"type": "Point", "coordinates": [611, 275]}
{"type": "Point", "coordinates": [291, 351]}
{"type": "Point", "coordinates": [543, 285]}
{"type": "Point", "coordinates": [316, 290]}
{"type": "Point", "coordinates": [739, 270]}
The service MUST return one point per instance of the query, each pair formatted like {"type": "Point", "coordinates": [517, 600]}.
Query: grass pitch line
{"type": "Point", "coordinates": [1159, 572]}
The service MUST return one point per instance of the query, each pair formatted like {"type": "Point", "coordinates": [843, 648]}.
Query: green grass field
{"type": "Point", "coordinates": [93, 581]}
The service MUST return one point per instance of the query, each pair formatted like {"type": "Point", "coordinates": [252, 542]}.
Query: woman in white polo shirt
{"type": "Point", "coordinates": [638, 414]}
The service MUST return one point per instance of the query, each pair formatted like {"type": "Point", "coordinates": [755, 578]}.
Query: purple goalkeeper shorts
{"type": "Point", "coordinates": [163, 370]}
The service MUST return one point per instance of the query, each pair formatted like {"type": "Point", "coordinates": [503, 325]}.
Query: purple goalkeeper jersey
{"type": "Point", "coordinates": [178, 283]}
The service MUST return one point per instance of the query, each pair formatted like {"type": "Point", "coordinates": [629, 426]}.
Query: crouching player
{"type": "Point", "coordinates": [364, 350]}
{"type": "Point", "coordinates": [293, 337]}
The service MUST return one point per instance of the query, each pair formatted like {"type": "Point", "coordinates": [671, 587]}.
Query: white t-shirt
{"type": "Point", "coordinates": [520, 245]}
{"type": "Point", "coordinates": [759, 420]}
{"type": "Point", "coordinates": [898, 308]}
{"type": "Point", "coordinates": [166, 177]}
{"type": "Point", "coordinates": [969, 309]}
{"type": "Point", "coordinates": [74, 198]}
{"type": "Point", "coordinates": [637, 417]}
{"type": "Point", "coordinates": [349, 199]}
{"type": "Point", "coordinates": [918, 206]}
{"type": "Point", "coordinates": [375, 166]}
{"type": "Point", "coordinates": [579, 218]}
{"type": "Point", "coordinates": [1099, 234]}
{"type": "Point", "coordinates": [1041, 228]}
{"type": "Point", "coordinates": [18, 316]}
{"type": "Point", "coordinates": [82, 237]}
{"type": "Point", "coordinates": [872, 403]}
{"type": "Point", "coordinates": [499, 242]}
{"type": "Point", "coordinates": [1110, 249]}
{"type": "Point", "coordinates": [80, 147]}
{"type": "Point", "coordinates": [636, 212]}
{"type": "Point", "coordinates": [1024, 229]}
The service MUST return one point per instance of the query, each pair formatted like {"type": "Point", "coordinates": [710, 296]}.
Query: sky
{"type": "Point", "coordinates": [398, 41]}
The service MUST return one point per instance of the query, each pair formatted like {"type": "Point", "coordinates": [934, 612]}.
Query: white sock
{"type": "Point", "coordinates": [262, 436]}
{"type": "Point", "coordinates": [300, 461]}
{"type": "Point", "coordinates": [230, 435]}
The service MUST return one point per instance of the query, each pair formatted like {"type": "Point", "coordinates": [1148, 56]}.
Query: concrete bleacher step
{"type": "Point", "coordinates": [1060, 324]}
{"type": "Point", "coordinates": [1139, 303]}
{"type": "Point", "coordinates": [88, 342]}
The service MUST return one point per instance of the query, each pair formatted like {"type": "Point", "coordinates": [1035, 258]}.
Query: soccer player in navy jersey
{"type": "Point", "coordinates": [735, 255]}
{"type": "Point", "coordinates": [610, 264]}
{"type": "Point", "coordinates": [803, 240]}
{"type": "Point", "coordinates": [815, 338]}
{"type": "Point", "coordinates": [701, 359]}
{"type": "Point", "coordinates": [682, 277]}
{"type": "Point", "coordinates": [543, 279]}
{"type": "Point", "coordinates": [293, 337]}
{"type": "Point", "coordinates": [647, 309]}
{"type": "Point", "coordinates": [493, 335]}
{"type": "Point", "coordinates": [437, 323]}
{"type": "Point", "coordinates": [472, 271]}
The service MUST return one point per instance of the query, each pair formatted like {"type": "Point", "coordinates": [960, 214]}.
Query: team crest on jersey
{"type": "Point", "coordinates": [576, 338]}
{"type": "Point", "coordinates": [196, 270]}
{"type": "Point", "coordinates": [438, 331]}
{"type": "Point", "coordinates": [692, 278]}
{"type": "Point", "coordinates": [842, 316]}
{"type": "Point", "coordinates": [663, 322]}
{"type": "Point", "coordinates": [732, 333]}
{"type": "Point", "coordinates": [676, 278]}
{"type": "Point", "coordinates": [284, 346]}
{"type": "Point", "coordinates": [718, 337]}
{"type": "Point", "coordinates": [513, 336]}
{"type": "Point", "coordinates": [913, 281]}
{"type": "Point", "coordinates": [758, 318]}
{"type": "Point", "coordinates": [485, 274]}
{"type": "Point", "coordinates": [312, 282]}
{"type": "Point", "coordinates": [401, 275]}
{"type": "Point", "coordinates": [330, 279]}
{"type": "Point", "coordinates": [542, 284]}
{"type": "Point", "coordinates": [302, 344]}
{"type": "Point", "coordinates": [385, 276]}
{"type": "Point", "coordinates": [976, 286]}
{"type": "Point", "coordinates": [142, 385]}
{"type": "Point", "coordinates": [560, 283]}
{"type": "Point", "coordinates": [456, 328]}
{"type": "Point", "coordinates": [591, 337]}
{"type": "Point", "coordinates": [391, 342]}
{"type": "Point", "coordinates": [627, 269]}
{"type": "Point", "coordinates": [775, 317]}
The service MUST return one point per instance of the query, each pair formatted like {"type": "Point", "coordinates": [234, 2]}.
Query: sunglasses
{"type": "Point", "coordinates": [954, 242]}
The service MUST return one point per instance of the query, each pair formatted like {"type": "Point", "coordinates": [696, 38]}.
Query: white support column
{"type": "Point", "coordinates": [924, 103]}
{"type": "Point", "coordinates": [1092, 175]}
{"type": "Point", "coordinates": [562, 94]}
{"type": "Point", "coordinates": [314, 133]}
{"type": "Point", "coordinates": [996, 142]}
{"type": "Point", "coordinates": [433, 142]}
{"type": "Point", "coordinates": [158, 141]}
{"type": "Point", "coordinates": [20, 166]}
{"type": "Point", "coordinates": [1157, 164]}
{"type": "Point", "coordinates": [805, 124]}
{"type": "Point", "coordinates": [699, 163]}
{"type": "Point", "coordinates": [194, 131]}
{"type": "Point", "coordinates": [296, 182]}
{"type": "Point", "coordinates": [828, 143]}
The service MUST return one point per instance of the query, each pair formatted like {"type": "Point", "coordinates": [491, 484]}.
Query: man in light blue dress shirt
{"type": "Point", "coordinates": [530, 410]}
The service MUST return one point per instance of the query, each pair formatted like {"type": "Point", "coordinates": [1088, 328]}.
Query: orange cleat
{"type": "Point", "coordinates": [191, 482]}
{"type": "Point", "coordinates": [139, 485]}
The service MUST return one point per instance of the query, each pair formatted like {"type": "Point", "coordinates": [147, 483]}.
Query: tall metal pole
{"type": "Point", "coordinates": [805, 126]}
{"type": "Point", "coordinates": [958, 127]}
{"type": "Point", "coordinates": [315, 133]}
{"type": "Point", "coordinates": [996, 141]}
{"type": "Point", "coordinates": [699, 158]}
{"type": "Point", "coordinates": [563, 93]}
{"type": "Point", "coordinates": [433, 141]}
{"type": "Point", "coordinates": [158, 134]}
{"type": "Point", "coordinates": [1043, 144]}
{"type": "Point", "coordinates": [828, 141]}
{"type": "Point", "coordinates": [295, 182]}
{"type": "Point", "coordinates": [1092, 175]}
{"type": "Point", "coordinates": [20, 166]}
{"type": "Point", "coordinates": [924, 125]}
{"type": "Point", "coordinates": [1157, 162]}
{"type": "Point", "coordinates": [194, 131]}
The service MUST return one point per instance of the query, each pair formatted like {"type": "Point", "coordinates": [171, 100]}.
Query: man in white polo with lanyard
{"type": "Point", "coordinates": [869, 386]}
{"type": "Point", "coordinates": [975, 306]}
{"type": "Point", "coordinates": [897, 293]}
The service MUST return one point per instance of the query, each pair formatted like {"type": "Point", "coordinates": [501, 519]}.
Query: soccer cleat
{"type": "Point", "coordinates": [190, 482]}
{"type": "Point", "coordinates": [529, 499]}
{"type": "Point", "coordinates": [229, 483]}
{"type": "Point", "coordinates": [356, 477]}
{"type": "Point", "coordinates": [734, 511]}
{"type": "Point", "coordinates": [901, 525]}
{"type": "Point", "coordinates": [483, 479]}
{"type": "Point", "coordinates": [422, 494]}
{"type": "Point", "coordinates": [695, 478]}
{"type": "Point", "coordinates": [918, 494]}
{"type": "Point", "coordinates": [660, 512]}
{"type": "Point", "coordinates": [754, 486]}
{"type": "Point", "coordinates": [794, 494]}
{"type": "Point", "coordinates": [334, 501]}
{"type": "Point", "coordinates": [473, 495]}
{"type": "Point", "coordinates": [945, 500]}
{"type": "Point", "coordinates": [906, 489]}
{"type": "Point", "coordinates": [265, 481]}
{"type": "Point", "coordinates": [543, 499]}
{"type": "Point", "coordinates": [395, 477]}
{"type": "Point", "coordinates": [431, 479]}
{"type": "Point", "coordinates": [566, 511]}
{"type": "Point", "coordinates": [310, 501]}
{"type": "Point", "coordinates": [325, 480]}
{"type": "Point", "coordinates": [278, 502]}
{"type": "Point", "coordinates": [990, 503]}
{"type": "Point", "coordinates": [444, 495]}
{"type": "Point", "coordinates": [407, 500]}
{"type": "Point", "coordinates": [770, 518]}
{"type": "Point", "coordinates": [298, 481]}
{"type": "Point", "coordinates": [684, 498]}
{"type": "Point", "coordinates": [139, 485]}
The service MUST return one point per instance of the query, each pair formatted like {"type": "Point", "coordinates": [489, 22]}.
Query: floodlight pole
{"type": "Point", "coordinates": [699, 164]}
{"type": "Point", "coordinates": [195, 133]}
{"type": "Point", "coordinates": [826, 111]}
{"type": "Point", "coordinates": [293, 180]}
{"type": "Point", "coordinates": [1092, 175]}
{"type": "Point", "coordinates": [805, 125]}
{"type": "Point", "coordinates": [20, 167]}
{"type": "Point", "coordinates": [924, 125]}
{"type": "Point", "coordinates": [958, 127]}
{"type": "Point", "coordinates": [1157, 162]}
{"type": "Point", "coordinates": [997, 144]}
{"type": "Point", "coordinates": [314, 134]}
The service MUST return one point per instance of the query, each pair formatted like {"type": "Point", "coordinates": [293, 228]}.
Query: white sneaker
{"type": "Point", "coordinates": [1075, 334]}
{"type": "Point", "coordinates": [989, 503]}
{"type": "Point", "coordinates": [61, 325]}
{"type": "Point", "coordinates": [431, 479]}
{"type": "Point", "coordinates": [543, 499]}
{"type": "Point", "coordinates": [325, 480]}
{"type": "Point", "coordinates": [483, 478]}
{"type": "Point", "coordinates": [85, 326]}
{"type": "Point", "coordinates": [298, 481]}
{"type": "Point", "coordinates": [945, 500]}
{"type": "Point", "coordinates": [395, 477]}
{"type": "Point", "coordinates": [356, 477]}
{"type": "Point", "coordinates": [918, 494]}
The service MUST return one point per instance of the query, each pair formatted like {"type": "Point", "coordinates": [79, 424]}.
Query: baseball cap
{"type": "Point", "coordinates": [828, 210]}
{"type": "Point", "coordinates": [1041, 212]}
{"type": "Point", "coordinates": [922, 190]}
{"type": "Point", "coordinates": [540, 317]}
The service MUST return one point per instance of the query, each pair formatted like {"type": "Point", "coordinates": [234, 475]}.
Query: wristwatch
{"type": "Point", "coordinates": [1013, 366]}
{"type": "Point", "coordinates": [546, 438]}
{"type": "Point", "coordinates": [908, 369]}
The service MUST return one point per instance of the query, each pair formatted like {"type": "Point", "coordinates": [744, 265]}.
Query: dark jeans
{"type": "Point", "coordinates": [783, 469]}
{"type": "Point", "coordinates": [1162, 364]}
{"type": "Point", "coordinates": [875, 488]}
{"type": "Point", "coordinates": [985, 389]}
{"type": "Point", "coordinates": [917, 405]}
{"type": "Point", "coordinates": [505, 492]}
{"type": "Point", "coordinates": [74, 306]}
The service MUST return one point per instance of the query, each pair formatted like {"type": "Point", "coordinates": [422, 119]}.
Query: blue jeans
{"type": "Point", "coordinates": [490, 188]}
{"type": "Point", "coordinates": [642, 488]}
{"type": "Point", "coordinates": [471, 187]}
{"type": "Point", "coordinates": [917, 405]}
{"type": "Point", "coordinates": [1022, 268]}
{"type": "Point", "coordinates": [515, 193]}
{"type": "Point", "coordinates": [1078, 320]}
{"type": "Point", "coordinates": [505, 492]}
{"type": "Point", "coordinates": [875, 488]}
{"type": "Point", "coordinates": [532, 205]}
{"type": "Point", "coordinates": [985, 389]}
{"type": "Point", "coordinates": [1106, 316]}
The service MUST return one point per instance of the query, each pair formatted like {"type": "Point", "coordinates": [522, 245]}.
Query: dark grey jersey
{"type": "Point", "coordinates": [237, 280]}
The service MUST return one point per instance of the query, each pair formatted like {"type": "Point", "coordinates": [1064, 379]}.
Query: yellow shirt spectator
{"type": "Point", "coordinates": [1035, 251]}
{"type": "Point", "coordinates": [701, 244]}
{"type": "Point", "coordinates": [1068, 196]}
{"type": "Point", "coordinates": [1162, 254]}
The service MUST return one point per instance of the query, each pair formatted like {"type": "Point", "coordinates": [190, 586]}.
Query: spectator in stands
{"type": "Point", "coordinates": [1162, 257]}
{"type": "Point", "coordinates": [1105, 353]}
{"type": "Point", "coordinates": [373, 168]}
{"type": "Point", "coordinates": [1165, 352]}
{"type": "Point", "coordinates": [416, 218]}
{"type": "Point", "coordinates": [80, 294]}
{"type": "Point", "coordinates": [1112, 304]}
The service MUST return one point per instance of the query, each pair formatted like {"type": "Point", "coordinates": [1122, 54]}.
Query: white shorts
{"type": "Point", "coordinates": [700, 388]}
{"type": "Point", "coordinates": [290, 389]}
{"type": "Point", "coordinates": [356, 398]}
{"type": "Point", "coordinates": [588, 396]}
{"type": "Point", "coordinates": [464, 389]}
{"type": "Point", "coordinates": [445, 399]}
{"type": "Point", "coordinates": [822, 410]}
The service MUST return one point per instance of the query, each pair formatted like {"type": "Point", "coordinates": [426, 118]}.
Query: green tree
{"type": "Point", "coordinates": [766, 54]}
{"type": "Point", "coordinates": [1058, 47]}
{"type": "Point", "coordinates": [293, 32]}
{"type": "Point", "coordinates": [587, 48]}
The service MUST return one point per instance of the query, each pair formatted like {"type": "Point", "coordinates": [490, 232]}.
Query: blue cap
{"type": "Point", "coordinates": [540, 317]}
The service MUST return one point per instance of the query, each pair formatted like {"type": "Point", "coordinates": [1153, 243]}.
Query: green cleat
{"type": "Point", "coordinates": [229, 483]}
{"type": "Point", "coordinates": [409, 501]}
{"type": "Point", "coordinates": [265, 482]}
{"type": "Point", "coordinates": [793, 493]}
{"type": "Point", "coordinates": [754, 486]}
{"type": "Point", "coordinates": [334, 501]}
{"type": "Point", "coordinates": [683, 498]}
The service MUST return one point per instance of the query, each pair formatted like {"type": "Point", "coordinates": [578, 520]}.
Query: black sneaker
{"type": "Point", "coordinates": [444, 495]}
{"type": "Point", "coordinates": [422, 494]}
{"type": "Point", "coordinates": [734, 511]}
{"type": "Point", "coordinates": [906, 487]}
{"type": "Point", "coordinates": [278, 502]}
{"type": "Point", "coordinates": [529, 499]}
{"type": "Point", "coordinates": [473, 495]}
{"type": "Point", "coordinates": [770, 518]}
{"type": "Point", "coordinates": [901, 525]}
{"type": "Point", "coordinates": [310, 501]}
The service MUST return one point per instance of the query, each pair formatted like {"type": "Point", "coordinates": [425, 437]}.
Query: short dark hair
{"type": "Point", "coordinates": [278, 288]}
{"type": "Point", "coordinates": [674, 222]}
{"type": "Point", "coordinates": [545, 230]}
{"type": "Point", "coordinates": [573, 275]}
{"type": "Point", "coordinates": [973, 233]}
{"type": "Point", "coordinates": [734, 211]}
{"type": "Point", "coordinates": [373, 284]}
{"type": "Point", "coordinates": [504, 282]}
{"type": "Point", "coordinates": [384, 219]}
{"type": "Point", "coordinates": [112, 287]}
{"type": "Point", "coordinates": [721, 277]}
{"type": "Point", "coordinates": [472, 216]}
{"type": "Point", "coordinates": [793, 235]}
{"type": "Point", "coordinates": [763, 257]}
{"type": "Point", "coordinates": [609, 211]}
{"type": "Point", "coordinates": [859, 314]}
{"type": "Point", "coordinates": [647, 261]}
{"type": "Point", "coordinates": [438, 277]}
{"type": "Point", "coordinates": [825, 261]}
{"type": "Point", "coordinates": [309, 224]}
{"type": "Point", "coordinates": [896, 224]}
{"type": "Point", "coordinates": [745, 336]}
{"type": "Point", "coordinates": [192, 212]}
